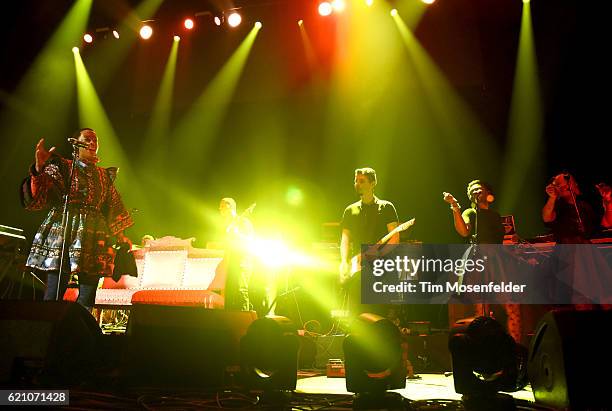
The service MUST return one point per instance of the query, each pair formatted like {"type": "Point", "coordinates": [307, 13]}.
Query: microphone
{"type": "Point", "coordinates": [77, 143]}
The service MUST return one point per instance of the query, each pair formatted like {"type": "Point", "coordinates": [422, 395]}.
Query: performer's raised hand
{"type": "Point", "coordinates": [552, 192]}
{"type": "Point", "coordinates": [42, 155]}
{"type": "Point", "coordinates": [605, 191]}
{"type": "Point", "coordinates": [450, 199]}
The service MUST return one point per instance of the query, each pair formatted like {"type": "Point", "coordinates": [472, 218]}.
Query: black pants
{"type": "Point", "coordinates": [88, 286]}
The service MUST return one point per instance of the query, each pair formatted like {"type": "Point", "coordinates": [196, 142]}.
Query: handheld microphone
{"type": "Point", "coordinates": [77, 143]}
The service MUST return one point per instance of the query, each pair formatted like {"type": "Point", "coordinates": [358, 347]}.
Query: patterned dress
{"type": "Point", "coordinates": [96, 213]}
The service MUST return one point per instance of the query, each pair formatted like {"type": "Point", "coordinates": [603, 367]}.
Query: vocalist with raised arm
{"type": "Point", "coordinates": [483, 225]}
{"type": "Point", "coordinates": [83, 203]}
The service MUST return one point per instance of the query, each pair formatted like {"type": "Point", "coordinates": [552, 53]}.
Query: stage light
{"type": "Point", "coordinates": [258, 25]}
{"type": "Point", "coordinates": [369, 3]}
{"type": "Point", "coordinates": [75, 50]}
{"type": "Point", "coordinates": [428, 1]}
{"type": "Point", "coordinates": [146, 32]}
{"type": "Point", "coordinates": [325, 8]}
{"type": "Point", "coordinates": [486, 359]}
{"type": "Point", "coordinates": [188, 24]}
{"type": "Point", "coordinates": [218, 20]}
{"type": "Point", "coordinates": [300, 22]}
{"type": "Point", "coordinates": [338, 5]}
{"type": "Point", "coordinates": [234, 19]}
{"type": "Point", "coordinates": [116, 34]}
{"type": "Point", "coordinates": [526, 1]}
{"type": "Point", "coordinates": [373, 362]}
{"type": "Point", "coordinates": [88, 38]}
{"type": "Point", "coordinates": [269, 354]}
{"type": "Point", "coordinates": [177, 38]}
{"type": "Point", "coordinates": [394, 12]}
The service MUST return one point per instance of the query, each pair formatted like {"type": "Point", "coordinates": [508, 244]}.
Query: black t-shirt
{"type": "Point", "coordinates": [566, 227]}
{"type": "Point", "coordinates": [490, 227]}
{"type": "Point", "coordinates": [368, 222]}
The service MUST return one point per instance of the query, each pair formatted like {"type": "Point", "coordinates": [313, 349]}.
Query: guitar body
{"type": "Point", "coordinates": [355, 262]}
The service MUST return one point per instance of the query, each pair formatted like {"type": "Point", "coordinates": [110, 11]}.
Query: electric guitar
{"type": "Point", "coordinates": [355, 264]}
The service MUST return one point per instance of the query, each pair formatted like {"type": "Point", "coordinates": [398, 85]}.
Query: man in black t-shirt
{"type": "Point", "coordinates": [483, 225]}
{"type": "Point", "coordinates": [480, 223]}
{"type": "Point", "coordinates": [364, 222]}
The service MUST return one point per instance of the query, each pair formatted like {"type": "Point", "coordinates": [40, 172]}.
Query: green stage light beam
{"type": "Point", "coordinates": [204, 118]}
{"type": "Point", "coordinates": [93, 115]}
{"type": "Point", "coordinates": [46, 88]}
{"type": "Point", "coordinates": [521, 167]}
{"type": "Point", "coordinates": [411, 12]}
{"type": "Point", "coordinates": [460, 129]}
{"type": "Point", "coordinates": [363, 90]}
{"type": "Point", "coordinates": [159, 126]}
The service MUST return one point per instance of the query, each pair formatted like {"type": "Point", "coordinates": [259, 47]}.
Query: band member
{"type": "Point", "coordinates": [605, 191]}
{"type": "Point", "coordinates": [479, 222]}
{"type": "Point", "coordinates": [96, 214]}
{"type": "Point", "coordinates": [238, 263]}
{"type": "Point", "coordinates": [571, 219]}
{"type": "Point", "coordinates": [483, 225]}
{"type": "Point", "coordinates": [363, 222]}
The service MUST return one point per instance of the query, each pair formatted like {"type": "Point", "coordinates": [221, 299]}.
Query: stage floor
{"type": "Point", "coordinates": [429, 386]}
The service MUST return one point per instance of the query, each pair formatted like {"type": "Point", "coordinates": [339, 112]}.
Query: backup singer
{"type": "Point", "coordinates": [483, 225]}
{"type": "Point", "coordinates": [571, 219]}
{"type": "Point", "coordinates": [481, 222]}
{"type": "Point", "coordinates": [96, 214]}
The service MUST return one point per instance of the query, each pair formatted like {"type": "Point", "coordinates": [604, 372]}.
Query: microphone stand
{"type": "Point", "coordinates": [65, 216]}
{"type": "Point", "coordinates": [474, 241]}
{"type": "Point", "coordinates": [571, 190]}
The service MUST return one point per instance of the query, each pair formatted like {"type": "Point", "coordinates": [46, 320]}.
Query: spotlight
{"type": "Point", "coordinates": [373, 361]}
{"type": "Point", "coordinates": [75, 50]}
{"type": "Point", "coordinates": [394, 12]}
{"type": "Point", "coordinates": [88, 38]}
{"type": "Point", "coordinates": [485, 359]}
{"type": "Point", "coordinates": [325, 8]}
{"type": "Point", "coordinates": [116, 34]}
{"type": "Point", "coordinates": [269, 354]}
{"type": "Point", "coordinates": [177, 38]}
{"type": "Point", "coordinates": [338, 5]}
{"type": "Point", "coordinates": [369, 3]}
{"type": "Point", "coordinates": [146, 32]}
{"type": "Point", "coordinates": [258, 25]}
{"type": "Point", "coordinates": [218, 20]}
{"type": "Point", "coordinates": [428, 1]}
{"type": "Point", "coordinates": [188, 24]}
{"type": "Point", "coordinates": [234, 19]}
{"type": "Point", "coordinates": [300, 22]}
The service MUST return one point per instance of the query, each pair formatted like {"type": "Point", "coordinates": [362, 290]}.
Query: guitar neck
{"type": "Point", "coordinates": [387, 237]}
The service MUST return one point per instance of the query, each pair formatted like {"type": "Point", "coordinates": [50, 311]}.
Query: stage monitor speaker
{"type": "Point", "coordinates": [51, 343]}
{"type": "Point", "coordinates": [569, 360]}
{"type": "Point", "coordinates": [191, 347]}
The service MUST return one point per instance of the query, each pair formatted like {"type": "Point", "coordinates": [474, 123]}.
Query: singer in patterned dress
{"type": "Point", "coordinates": [96, 218]}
